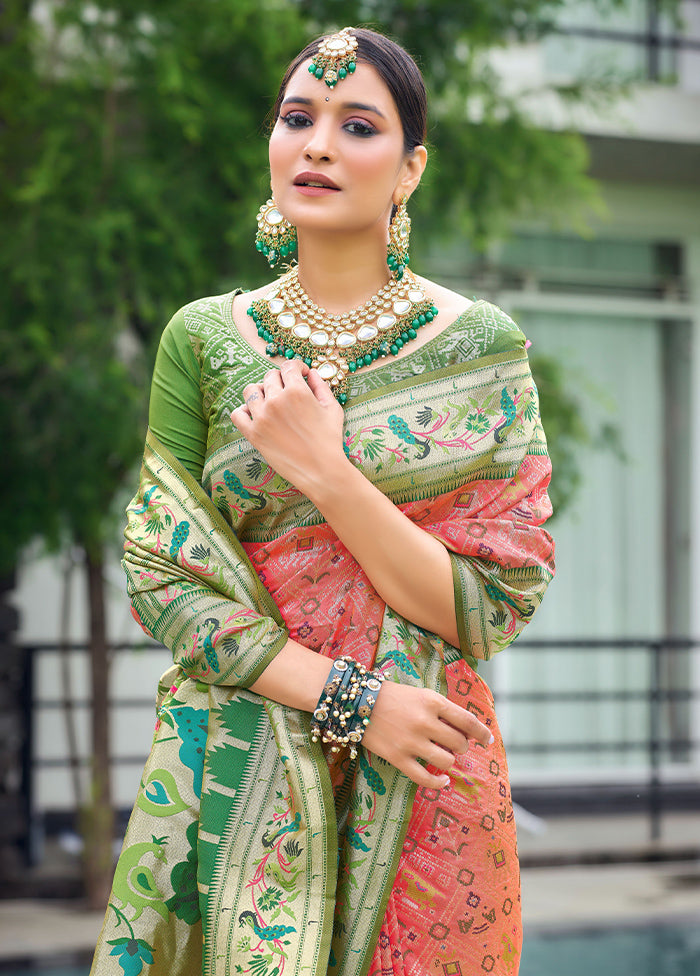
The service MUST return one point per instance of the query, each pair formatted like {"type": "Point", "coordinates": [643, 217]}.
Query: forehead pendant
{"type": "Point", "coordinates": [335, 59]}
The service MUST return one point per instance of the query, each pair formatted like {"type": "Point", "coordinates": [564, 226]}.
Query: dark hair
{"type": "Point", "coordinates": [397, 70]}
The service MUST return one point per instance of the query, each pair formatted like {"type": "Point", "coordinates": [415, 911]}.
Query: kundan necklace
{"type": "Point", "coordinates": [336, 345]}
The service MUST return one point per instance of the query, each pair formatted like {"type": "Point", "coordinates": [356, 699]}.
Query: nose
{"type": "Point", "coordinates": [320, 144]}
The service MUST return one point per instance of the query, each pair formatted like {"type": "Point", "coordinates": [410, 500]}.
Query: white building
{"type": "Point", "coordinates": [621, 310]}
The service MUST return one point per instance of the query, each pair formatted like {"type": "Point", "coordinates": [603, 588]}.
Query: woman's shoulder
{"type": "Point", "coordinates": [461, 313]}
{"type": "Point", "coordinates": [451, 303]}
{"type": "Point", "coordinates": [201, 323]}
{"type": "Point", "coordinates": [203, 317]}
{"type": "Point", "coordinates": [207, 308]}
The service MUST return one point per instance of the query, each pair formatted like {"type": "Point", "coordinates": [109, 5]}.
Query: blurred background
{"type": "Point", "coordinates": [563, 185]}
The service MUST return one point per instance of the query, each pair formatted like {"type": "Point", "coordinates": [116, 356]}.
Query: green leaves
{"type": "Point", "coordinates": [567, 431]}
{"type": "Point", "coordinates": [118, 215]}
{"type": "Point", "coordinates": [269, 899]}
{"type": "Point", "coordinates": [132, 163]}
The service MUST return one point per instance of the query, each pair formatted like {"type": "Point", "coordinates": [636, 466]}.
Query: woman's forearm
{"type": "Point", "coordinates": [295, 677]}
{"type": "Point", "coordinates": [296, 424]}
{"type": "Point", "coordinates": [410, 726]}
{"type": "Point", "coordinates": [410, 569]}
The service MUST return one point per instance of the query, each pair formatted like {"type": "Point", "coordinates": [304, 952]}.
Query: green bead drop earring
{"type": "Point", "coordinates": [399, 234]}
{"type": "Point", "coordinates": [276, 237]}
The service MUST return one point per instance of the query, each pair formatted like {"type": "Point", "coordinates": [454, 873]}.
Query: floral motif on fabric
{"type": "Point", "coordinates": [461, 425]}
{"type": "Point", "coordinates": [269, 927]}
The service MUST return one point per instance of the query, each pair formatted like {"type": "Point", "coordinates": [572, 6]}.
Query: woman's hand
{"type": "Point", "coordinates": [295, 422]}
{"type": "Point", "coordinates": [410, 723]}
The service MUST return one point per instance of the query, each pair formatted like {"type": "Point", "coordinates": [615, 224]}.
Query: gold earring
{"type": "Point", "coordinates": [276, 237]}
{"type": "Point", "coordinates": [399, 234]}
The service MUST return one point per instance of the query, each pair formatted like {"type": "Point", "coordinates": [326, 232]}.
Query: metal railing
{"type": "Point", "coordinates": [657, 696]}
{"type": "Point", "coordinates": [661, 691]}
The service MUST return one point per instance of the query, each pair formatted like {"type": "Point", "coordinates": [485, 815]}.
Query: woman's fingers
{"type": "Point", "coordinates": [291, 378]}
{"type": "Point", "coordinates": [253, 392]}
{"type": "Point", "coordinates": [448, 738]}
{"type": "Point", "coordinates": [463, 722]}
{"type": "Point", "coordinates": [293, 371]}
{"type": "Point", "coordinates": [411, 727]}
{"type": "Point", "coordinates": [253, 395]}
{"type": "Point", "coordinates": [320, 389]}
{"type": "Point", "coordinates": [441, 758]}
{"type": "Point", "coordinates": [296, 424]}
{"type": "Point", "coordinates": [450, 724]}
{"type": "Point", "coordinates": [423, 777]}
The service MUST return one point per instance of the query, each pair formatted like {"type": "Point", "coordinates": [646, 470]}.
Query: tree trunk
{"type": "Point", "coordinates": [14, 744]}
{"type": "Point", "coordinates": [66, 682]}
{"type": "Point", "coordinates": [98, 815]}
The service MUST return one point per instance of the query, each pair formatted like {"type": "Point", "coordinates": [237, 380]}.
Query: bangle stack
{"type": "Point", "coordinates": [344, 708]}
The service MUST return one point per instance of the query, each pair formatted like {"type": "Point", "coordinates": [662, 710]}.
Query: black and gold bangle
{"type": "Point", "coordinates": [345, 706]}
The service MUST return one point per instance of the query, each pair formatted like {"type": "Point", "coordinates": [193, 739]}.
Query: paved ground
{"type": "Point", "coordinates": [581, 897]}
{"type": "Point", "coordinates": [565, 897]}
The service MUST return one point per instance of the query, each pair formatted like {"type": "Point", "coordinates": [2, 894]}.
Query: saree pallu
{"type": "Point", "coordinates": [249, 849]}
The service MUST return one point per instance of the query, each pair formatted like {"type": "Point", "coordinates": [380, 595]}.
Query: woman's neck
{"type": "Point", "coordinates": [341, 273]}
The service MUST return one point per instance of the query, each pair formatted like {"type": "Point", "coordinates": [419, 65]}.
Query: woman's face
{"type": "Point", "coordinates": [337, 159]}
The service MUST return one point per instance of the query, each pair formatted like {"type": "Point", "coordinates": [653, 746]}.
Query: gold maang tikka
{"type": "Point", "coordinates": [336, 57]}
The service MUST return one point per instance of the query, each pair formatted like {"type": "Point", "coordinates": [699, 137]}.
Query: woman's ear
{"type": "Point", "coordinates": [411, 173]}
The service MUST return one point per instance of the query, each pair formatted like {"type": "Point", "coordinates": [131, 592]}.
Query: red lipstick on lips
{"type": "Point", "coordinates": [315, 184]}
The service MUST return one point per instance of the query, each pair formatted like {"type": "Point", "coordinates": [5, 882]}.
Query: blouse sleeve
{"type": "Point", "coordinates": [191, 584]}
{"type": "Point", "coordinates": [175, 413]}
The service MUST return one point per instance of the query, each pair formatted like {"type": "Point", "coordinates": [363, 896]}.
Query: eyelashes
{"type": "Point", "coordinates": [295, 120]}
{"type": "Point", "coordinates": [355, 127]}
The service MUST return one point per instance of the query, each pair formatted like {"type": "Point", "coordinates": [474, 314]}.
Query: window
{"type": "Point", "coordinates": [638, 41]}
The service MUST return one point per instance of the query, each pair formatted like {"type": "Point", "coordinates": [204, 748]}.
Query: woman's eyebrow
{"type": "Point", "coordinates": [297, 100]}
{"type": "Point", "coordinates": [364, 108]}
{"type": "Point", "coordinates": [358, 106]}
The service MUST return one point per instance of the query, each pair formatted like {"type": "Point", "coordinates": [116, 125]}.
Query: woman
{"type": "Point", "coordinates": [346, 464]}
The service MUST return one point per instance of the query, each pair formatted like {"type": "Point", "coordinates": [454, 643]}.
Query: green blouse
{"type": "Point", "coordinates": [177, 413]}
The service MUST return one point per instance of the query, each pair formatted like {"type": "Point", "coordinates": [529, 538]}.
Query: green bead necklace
{"type": "Point", "coordinates": [294, 327]}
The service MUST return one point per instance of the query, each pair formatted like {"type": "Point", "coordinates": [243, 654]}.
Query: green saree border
{"type": "Point", "coordinates": [455, 369]}
{"type": "Point", "coordinates": [435, 677]}
{"type": "Point", "coordinates": [181, 474]}
{"type": "Point", "coordinates": [323, 846]}
{"type": "Point", "coordinates": [401, 489]}
{"type": "Point", "coordinates": [275, 763]}
{"type": "Point", "coordinates": [461, 610]}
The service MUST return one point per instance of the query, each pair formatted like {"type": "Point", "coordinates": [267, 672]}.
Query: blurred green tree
{"type": "Point", "coordinates": [132, 162]}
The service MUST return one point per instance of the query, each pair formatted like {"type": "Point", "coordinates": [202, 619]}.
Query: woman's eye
{"type": "Point", "coordinates": [295, 120]}
{"type": "Point", "coordinates": [358, 128]}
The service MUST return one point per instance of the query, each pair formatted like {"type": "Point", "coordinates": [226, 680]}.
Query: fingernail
{"type": "Point", "coordinates": [445, 783]}
{"type": "Point", "coordinates": [491, 740]}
